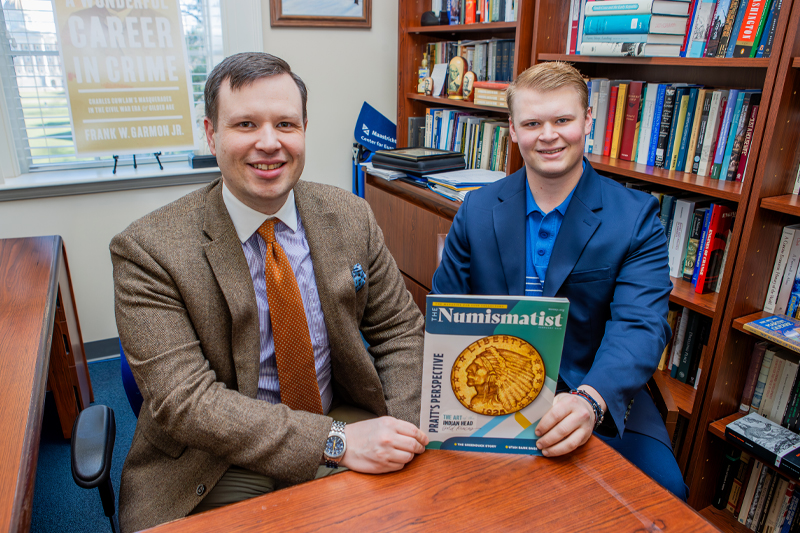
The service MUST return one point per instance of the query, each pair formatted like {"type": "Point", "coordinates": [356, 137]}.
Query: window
{"type": "Point", "coordinates": [35, 92]}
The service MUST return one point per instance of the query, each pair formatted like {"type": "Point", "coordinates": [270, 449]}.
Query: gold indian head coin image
{"type": "Point", "coordinates": [498, 375]}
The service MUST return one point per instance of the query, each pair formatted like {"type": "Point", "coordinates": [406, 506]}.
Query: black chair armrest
{"type": "Point", "coordinates": [92, 447]}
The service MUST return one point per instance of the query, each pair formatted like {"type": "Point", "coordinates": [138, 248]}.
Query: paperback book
{"type": "Point", "coordinates": [490, 370]}
{"type": "Point", "coordinates": [779, 329]}
{"type": "Point", "coordinates": [768, 441]}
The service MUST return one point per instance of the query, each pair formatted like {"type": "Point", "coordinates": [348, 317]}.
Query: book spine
{"type": "Point", "coordinates": [791, 402]}
{"type": "Point", "coordinates": [747, 500]}
{"type": "Point", "coordinates": [615, 49]}
{"type": "Point", "coordinates": [748, 138]}
{"type": "Point", "coordinates": [736, 140]}
{"type": "Point", "coordinates": [745, 480]}
{"type": "Point", "coordinates": [602, 115]}
{"type": "Point", "coordinates": [688, 126]}
{"type": "Point", "coordinates": [632, 110]}
{"type": "Point", "coordinates": [725, 480]}
{"type": "Point", "coordinates": [689, 24]}
{"type": "Point", "coordinates": [676, 129]}
{"type": "Point", "coordinates": [677, 346]}
{"type": "Point", "coordinates": [718, 101]}
{"type": "Point", "coordinates": [730, 19]}
{"type": "Point", "coordinates": [692, 334]}
{"type": "Point", "coordinates": [645, 128]}
{"type": "Point", "coordinates": [764, 479]}
{"type": "Point", "coordinates": [717, 25]}
{"type": "Point", "coordinates": [681, 223]}
{"type": "Point", "coordinates": [619, 117]}
{"type": "Point", "coordinates": [719, 234]}
{"type": "Point", "coordinates": [704, 12]}
{"type": "Point", "coordinates": [612, 113]}
{"type": "Point", "coordinates": [789, 273]}
{"type": "Point", "coordinates": [616, 24]}
{"type": "Point", "coordinates": [656, 127]}
{"type": "Point", "coordinates": [702, 245]}
{"type": "Point", "coordinates": [614, 7]}
{"type": "Point", "coordinates": [702, 98]}
{"type": "Point", "coordinates": [756, 360]}
{"type": "Point", "coordinates": [773, 28]}
{"type": "Point", "coordinates": [707, 245]}
{"type": "Point", "coordinates": [693, 244]}
{"type": "Point", "coordinates": [791, 512]}
{"type": "Point", "coordinates": [701, 132]}
{"type": "Point", "coordinates": [748, 34]}
{"type": "Point", "coordinates": [664, 129]}
{"type": "Point", "coordinates": [724, 131]}
{"type": "Point", "coordinates": [693, 374]}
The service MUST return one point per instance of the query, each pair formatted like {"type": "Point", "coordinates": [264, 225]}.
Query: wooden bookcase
{"type": "Point", "coordinates": [762, 206]}
{"type": "Point", "coordinates": [770, 207]}
{"type": "Point", "coordinates": [412, 39]}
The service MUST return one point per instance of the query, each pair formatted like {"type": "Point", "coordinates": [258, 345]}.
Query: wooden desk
{"type": "Point", "coordinates": [40, 347]}
{"type": "Point", "coordinates": [595, 489]}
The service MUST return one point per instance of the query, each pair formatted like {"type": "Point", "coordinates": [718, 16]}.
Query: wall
{"type": "Point", "coordinates": [342, 69]}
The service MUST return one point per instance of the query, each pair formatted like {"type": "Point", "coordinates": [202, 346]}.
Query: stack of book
{"type": "Point", "coordinates": [672, 28]}
{"type": "Point", "coordinates": [688, 128]}
{"type": "Point", "coordinates": [783, 293]}
{"type": "Point", "coordinates": [491, 94]}
{"type": "Point", "coordinates": [456, 185]}
{"type": "Point", "coordinates": [484, 141]}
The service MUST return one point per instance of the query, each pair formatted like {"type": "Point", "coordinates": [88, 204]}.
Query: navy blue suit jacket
{"type": "Point", "coordinates": [609, 260]}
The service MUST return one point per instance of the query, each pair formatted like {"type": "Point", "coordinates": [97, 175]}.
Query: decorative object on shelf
{"type": "Point", "coordinates": [467, 86]}
{"type": "Point", "coordinates": [321, 13]}
{"type": "Point", "coordinates": [426, 86]}
{"type": "Point", "coordinates": [429, 18]}
{"type": "Point", "coordinates": [458, 66]}
{"type": "Point", "coordinates": [423, 73]}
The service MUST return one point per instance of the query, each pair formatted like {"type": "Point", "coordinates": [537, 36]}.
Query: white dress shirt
{"type": "Point", "coordinates": [291, 236]}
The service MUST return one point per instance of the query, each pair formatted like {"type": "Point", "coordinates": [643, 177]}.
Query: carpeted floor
{"type": "Point", "coordinates": [58, 503]}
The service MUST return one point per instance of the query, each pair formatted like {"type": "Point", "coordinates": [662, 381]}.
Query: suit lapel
{"type": "Point", "coordinates": [225, 255]}
{"type": "Point", "coordinates": [579, 224]}
{"type": "Point", "coordinates": [509, 227]}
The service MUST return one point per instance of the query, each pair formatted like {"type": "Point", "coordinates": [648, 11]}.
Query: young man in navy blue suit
{"type": "Point", "coordinates": [557, 228]}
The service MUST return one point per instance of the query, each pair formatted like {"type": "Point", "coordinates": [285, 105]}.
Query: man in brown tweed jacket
{"type": "Point", "coordinates": [194, 321]}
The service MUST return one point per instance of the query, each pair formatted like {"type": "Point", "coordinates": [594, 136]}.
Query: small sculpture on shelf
{"type": "Point", "coordinates": [467, 86]}
{"type": "Point", "coordinates": [426, 84]}
{"type": "Point", "coordinates": [423, 73]}
{"type": "Point", "coordinates": [458, 66]}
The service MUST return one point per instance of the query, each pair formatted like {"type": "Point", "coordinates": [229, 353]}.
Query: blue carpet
{"type": "Point", "coordinates": [58, 503]}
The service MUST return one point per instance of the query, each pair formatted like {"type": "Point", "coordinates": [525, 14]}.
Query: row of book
{"type": "Point", "coordinates": [490, 59]}
{"type": "Point", "coordinates": [683, 355]}
{"type": "Point", "coordinates": [783, 293]}
{"type": "Point", "coordinates": [760, 498]}
{"type": "Point", "coordinates": [483, 141]}
{"type": "Point", "coordinates": [673, 28]}
{"type": "Point", "coordinates": [477, 11]}
{"type": "Point", "coordinates": [688, 128]}
{"type": "Point", "coordinates": [772, 388]}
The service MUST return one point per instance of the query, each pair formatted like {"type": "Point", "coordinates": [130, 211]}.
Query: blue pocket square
{"type": "Point", "coordinates": [359, 276]}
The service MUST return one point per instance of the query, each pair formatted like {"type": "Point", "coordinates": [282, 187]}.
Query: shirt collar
{"type": "Point", "coordinates": [247, 220]}
{"type": "Point", "coordinates": [532, 207]}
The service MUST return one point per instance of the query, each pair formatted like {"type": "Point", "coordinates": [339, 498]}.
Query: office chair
{"type": "Point", "coordinates": [92, 445]}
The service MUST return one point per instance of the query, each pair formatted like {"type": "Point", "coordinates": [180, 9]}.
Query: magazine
{"type": "Point", "coordinates": [490, 370]}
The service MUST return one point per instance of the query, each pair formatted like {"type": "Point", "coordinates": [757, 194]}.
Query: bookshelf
{"type": "Point", "coordinates": [412, 39]}
{"type": "Point", "coordinates": [761, 201]}
{"type": "Point", "coordinates": [768, 209]}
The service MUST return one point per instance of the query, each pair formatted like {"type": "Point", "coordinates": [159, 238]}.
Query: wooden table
{"type": "Point", "coordinates": [595, 489]}
{"type": "Point", "coordinates": [40, 347]}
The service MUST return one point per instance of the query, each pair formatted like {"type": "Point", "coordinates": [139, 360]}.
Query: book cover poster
{"type": "Point", "coordinates": [490, 370]}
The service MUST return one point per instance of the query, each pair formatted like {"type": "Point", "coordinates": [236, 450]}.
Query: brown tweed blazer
{"type": "Point", "coordinates": [187, 317]}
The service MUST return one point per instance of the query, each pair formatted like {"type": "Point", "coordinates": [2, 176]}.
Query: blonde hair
{"type": "Point", "coordinates": [546, 77]}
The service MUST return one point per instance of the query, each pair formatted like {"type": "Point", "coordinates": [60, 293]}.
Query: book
{"type": "Point", "coordinates": [490, 370]}
{"type": "Point", "coordinates": [773, 27]}
{"type": "Point", "coordinates": [636, 7]}
{"type": "Point", "coordinates": [747, 37]}
{"type": "Point", "coordinates": [573, 28]}
{"type": "Point", "coordinates": [678, 116]}
{"type": "Point", "coordinates": [763, 376]}
{"type": "Point", "coordinates": [758, 497]}
{"type": "Point", "coordinates": [747, 500]}
{"type": "Point", "coordinates": [664, 128]}
{"type": "Point", "coordinates": [748, 139]}
{"type": "Point", "coordinates": [702, 105]}
{"type": "Point", "coordinates": [693, 243]}
{"type": "Point", "coordinates": [783, 389]}
{"type": "Point", "coordinates": [680, 233]}
{"type": "Point", "coordinates": [685, 138]}
{"type": "Point", "coordinates": [744, 467]}
{"type": "Point", "coordinates": [780, 329]}
{"type": "Point", "coordinates": [619, 117]}
{"type": "Point", "coordinates": [629, 49]}
{"type": "Point", "coordinates": [631, 121]}
{"type": "Point", "coordinates": [704, 12]}
{"type": "Point", "coordinates": [701, 246]}
{"type": "Point", "coordinates": [645, 38]}
{"type": "Point", "coordinates": [727, 28]}
{"type": "Point", "coordinates": [646, 126]}
{"type": "Point", "coordinates": [716, 27]}
{"type": "Point", "coordinates": [677, 345]}
{"type": "Point", "coordinates": [634, 24]}
{"type": "Point", "coordinates": [726, 477]}
{"type": "Point", "coordinates": [655, 129]}
{"type": "Point", "coordinates": [599, 127]}
{"type": "Point", "coordinates": [718, 104]}
{"type": "Point", "coordinates": [756, 359]}
{"type": "Point", "coordinates": [762, 438]}
{"type": "Point", "coordinates": [719, 229]}
{"type": "Point", "coordinates": [693, 373]}
{"type": "Point", "coordinates": [612, 113]}
{"type": "Point", "coordinates": [734, 98]}
{"type": "Point", "coordinates": [789, 275]}
{"type": "Point", "coordinates": [594, 97]}
{"type": "Point", "coordinates": [701, 132]}
{"type": "Point", "coordinates": [730, 170]}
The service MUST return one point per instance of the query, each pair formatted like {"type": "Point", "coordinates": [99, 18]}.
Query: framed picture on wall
{"type": "Point", "coordinates": [321, 13]}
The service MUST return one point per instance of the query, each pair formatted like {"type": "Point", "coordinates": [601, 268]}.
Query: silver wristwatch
{"type": "Point", "coordinates": [335, 445]}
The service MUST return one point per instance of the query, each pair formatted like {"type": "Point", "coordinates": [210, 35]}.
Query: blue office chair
{"type": "Point", "coordinates": [92, 444]}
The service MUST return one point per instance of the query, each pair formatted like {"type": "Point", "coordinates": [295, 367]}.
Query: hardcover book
{"type": "Point", "coordinates": [768, 441]}
{"type": "Point", "coordinates": [490, 370]}
{"type": "Point", "coordinates": [779, 329]}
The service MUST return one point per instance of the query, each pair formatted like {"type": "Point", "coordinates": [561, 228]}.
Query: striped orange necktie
{"type": "Point", "coordinates": [294, 355]}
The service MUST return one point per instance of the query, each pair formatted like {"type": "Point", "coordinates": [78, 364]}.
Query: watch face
{"type": "Point", "coordinates": [334, 446]}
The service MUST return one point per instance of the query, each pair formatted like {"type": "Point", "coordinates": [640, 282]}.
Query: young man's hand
{"type": "Point", "coordinates": [568, 424]}
{"type": "Point", "coordinates": [381, 445]}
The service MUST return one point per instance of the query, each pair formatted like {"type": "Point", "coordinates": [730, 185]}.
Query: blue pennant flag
{"type": "Point", "coordinates": [374, 131]}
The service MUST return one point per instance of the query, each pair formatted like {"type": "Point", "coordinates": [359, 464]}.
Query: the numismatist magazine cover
{"type": "Point", "coordinates": [490, 370]}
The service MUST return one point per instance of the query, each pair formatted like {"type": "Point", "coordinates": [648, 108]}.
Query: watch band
{"type": "Point", "coordinates": [598, 412]}
{"type": "Point", "coordinates": [337, 429]}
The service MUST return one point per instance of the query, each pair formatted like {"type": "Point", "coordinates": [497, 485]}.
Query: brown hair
{"type": "Point", "coordinates": [243, 69]}
{"type": "Point", "coordinates": [546, 77]}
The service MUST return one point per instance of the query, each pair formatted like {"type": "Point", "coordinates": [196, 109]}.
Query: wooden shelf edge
{"type": "Point", "coordinates": [682, 393]}
{"type": "Point", "coordinates": [465, 28]}
{"type": "Point", "coordinates": [725, 190]}
{"type": "Point", "coordinates": [796, 62]}
{"type": "Point", "coordinates": [674, 61]}
{"type": "Point", "coordinates": [723, 520]}
{"type": "Point", "coordinates": [683, 294]}
{"type": "Point", "coordinates": [439, 101]}
{"type": "Point", "coordinates": [785, 203]}
{"type": "Point", "coordinates": [738, 323]}
{"type": "Point", "coordinates": [717, 428]}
